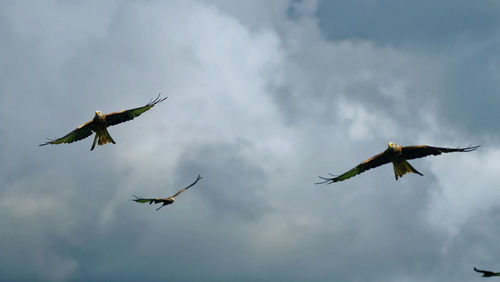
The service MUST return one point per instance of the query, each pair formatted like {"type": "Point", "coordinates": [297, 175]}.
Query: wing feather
{"type": "Point", "coordinates": [126, 115]}
{"type": "Point", "coordinates": [375, 161]}
{"type": "Point", "coordinates": [414, 152]}
{"type": "Point", "coordinates": [81, 132]}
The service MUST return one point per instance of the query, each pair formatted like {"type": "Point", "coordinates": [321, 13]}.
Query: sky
{"type": "Point", "coordinates": [263, 97]}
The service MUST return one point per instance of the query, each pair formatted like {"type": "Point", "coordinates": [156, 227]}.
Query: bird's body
{"type": "Point", "coordinates": [102, 135]}
{"type": "Point", "coordinates": [400, 165]}
{"type": "Point", "coordinates": [487, 273]}
{"type": "Point", "coordinates": [164, 201]}
{"type": "Point", "coordinates": [100, 123]}
{"type": "Point", "coordinates": [398, 156]}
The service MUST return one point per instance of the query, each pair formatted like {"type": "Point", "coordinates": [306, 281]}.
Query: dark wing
{"type": "Point", "coordinates": [126, 115]}
{"type": "Point", "coordinates": [378, 160]}
{"type": "Point", "coordinates": [81, 132]}
{"type": "Point", "coordinates": [184, 189]}
{"type": "Point", "coordinates": [479, 270]}
{"type": "Point", "coordinates": [486, 272]}
{"type": "Point", "coordinates": [413, 152]}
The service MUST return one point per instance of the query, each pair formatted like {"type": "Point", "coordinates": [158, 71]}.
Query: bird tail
{"type": "Point", "coordinates": [103, 137]}
{"type": "Point", "coordinates": [402, 167]}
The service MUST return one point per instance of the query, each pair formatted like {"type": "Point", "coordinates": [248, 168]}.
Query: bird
{"type": "Point", "coordinates": [487, 273]}
{"type": "Point", "coordinates": [99, 125]}
{"type": "Point", "coordinates": [165, 201]}
{"type": "Point", "coordinates": [398, 155]}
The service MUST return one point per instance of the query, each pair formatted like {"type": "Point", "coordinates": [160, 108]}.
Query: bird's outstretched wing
{"type": "Point", "coordinates": [184, 189]}
{"type": "Point", "coordinates": [143, 200]}
{"type": "Point", "coordinates": [487, 273]}
{"type": "Point", "coordinates": [413, 152]}
{"type": "Point", "coordinates": [480, 271]}
{"type": "Point", "coordinates": [375, 161]}
{"type": "Point", "coordinates": [81, 132]}
{"type": "Point", "coordinates": [126, 115]}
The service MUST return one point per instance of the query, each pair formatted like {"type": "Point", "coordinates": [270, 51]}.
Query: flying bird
{"type": "Point", "coordinates": [99, 125]}
{"type": "Point", "coordinates": [165, 201]}
{"type": "Point", "coordinates": [487, 273]}
{"type": "Point", "coordinates": [398, 155]}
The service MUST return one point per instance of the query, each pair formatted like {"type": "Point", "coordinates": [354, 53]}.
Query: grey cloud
{"type": "Point", "coordinates": [453, 41]}
{"type": "Point", "coordinates": [232, 183]}
{"type": "Point", "coordinates": [408, 23]}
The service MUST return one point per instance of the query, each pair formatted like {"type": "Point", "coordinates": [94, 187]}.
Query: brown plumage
{"type": "Point", "coordinates": [99, 125]}
{"type": "Point", "coordinates": [165, 201]}
{"type": "Point", "coordinates": [398, 155]}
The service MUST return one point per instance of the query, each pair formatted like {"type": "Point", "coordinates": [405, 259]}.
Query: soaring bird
{"type": "Point", "coordinates": [99, 125]}
{"type": "Point", "coordinates": [398, 156]}
{"type": "Point", "coordinates": [165, 201]}
{"type": "Point", "coordinates": [487, 273]}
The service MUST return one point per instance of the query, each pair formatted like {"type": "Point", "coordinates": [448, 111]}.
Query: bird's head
{"type": "Point", "coordinates": [392, 145]}
{"type": "Point", "coordinates": [98, 113]}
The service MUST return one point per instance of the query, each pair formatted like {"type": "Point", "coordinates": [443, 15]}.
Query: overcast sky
{"type": "Point", "coordinates": [263, 96]}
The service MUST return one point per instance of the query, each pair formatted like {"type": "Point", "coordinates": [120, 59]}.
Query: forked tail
{"type": "Point", "coordinates": [102, 137]}
{"type": "Point", "coordinates": [402, 167]}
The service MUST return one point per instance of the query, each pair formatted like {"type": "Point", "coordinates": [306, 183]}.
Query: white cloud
{"type": "Point", "coordinates": [466, 187]}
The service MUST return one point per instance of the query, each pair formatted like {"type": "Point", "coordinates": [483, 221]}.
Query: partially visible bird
{"type": "Point", "coordinates": [487, 273]}
{"type": "Point", "coordinates": [398, 156]}
{"type": "Point", "coordinates": [99, 125]}
{"type": "Point", "coordinates": [165, 201]}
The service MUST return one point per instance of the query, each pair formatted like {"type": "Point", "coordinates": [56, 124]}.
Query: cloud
{"type": "Point", "coordinates": [455, 51]}
{"type": "Point", "coordinates": [233, 185]}
{"type": "Point", "coordinates": [408, 23]}
{"type": "Point", "coordinates": [465, 195]}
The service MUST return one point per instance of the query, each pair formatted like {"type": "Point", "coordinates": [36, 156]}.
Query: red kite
{"type": "Point", "coordinates": [398, 156]}
{"type": "Point", "coordinates": [165, 201]}
{"type": "Point", "coordinates": [99, 124]}
{"type": "Point", "coordinates": [487, 273]}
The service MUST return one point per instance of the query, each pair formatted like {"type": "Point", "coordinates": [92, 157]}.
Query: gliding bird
{"type": "Point", "coordinates": [165, 201]}
{"type": "Point", "coordinates": [398, 156]}
{"type": "Point", "coordinates": [99, 124]}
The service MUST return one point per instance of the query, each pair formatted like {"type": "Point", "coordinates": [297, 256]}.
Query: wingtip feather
{"type": "Point", "coordinates": [471, 148]}
{"type": "Point", "coordinates": [156, 100]}
{"type": "Point", "coordinates": [49, 141]}
{"type": "Point", "coordinates": [327, 180]}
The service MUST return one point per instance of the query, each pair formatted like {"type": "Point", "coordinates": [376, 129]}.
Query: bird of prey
{"type": "Point", "coordinates": [165, 201]}
{"type": "Point", "coordinates": [99, 125]}
{"type": "Point", "coordinates": [398, 156]}
{"type": "Point", "coordinates": [487, 273]}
